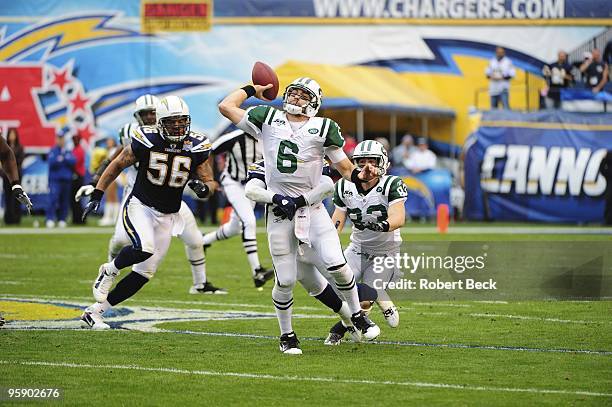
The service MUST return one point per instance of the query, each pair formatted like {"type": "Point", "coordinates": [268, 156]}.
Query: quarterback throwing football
{"type": "Point", "coordinates": [295, 143]}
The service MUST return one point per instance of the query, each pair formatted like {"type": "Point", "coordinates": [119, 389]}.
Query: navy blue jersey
{"type": "Point", "coordinates": [165, 167]}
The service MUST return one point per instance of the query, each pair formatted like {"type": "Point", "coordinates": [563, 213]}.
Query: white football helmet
{"type": "Point", "coordinates": [173, 118]}
{"type": "Point", "coordinates": [372, 149]}
{"type": "Point", "coordinates": [145, 102]}
{"type": "Point", "coordinates": [313, 89]}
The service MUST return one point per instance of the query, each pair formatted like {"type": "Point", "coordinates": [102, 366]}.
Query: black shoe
{"type": "Point", "coordinates": [289, 344]}
{"type": "Point", "coordinates": [368, 329]}
{"type": "Point", "coordinates": [207, 288]}
{"type": "Point", "coordinates": [261, 276]}
{"type": "Point", "coordinates": [205, 246]}
{"type": "Point", "coordinates": [336, 333]}
{"type": "Point", "coordinates": [2, 320]}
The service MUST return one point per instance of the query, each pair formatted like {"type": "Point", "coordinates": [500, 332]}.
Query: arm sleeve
{"type": "Point", "coordinates": [254, 118]}
{"type": "Point", "coordinates": [321, 191]}
{"type": "Point", "coordinates": [335, 154]}
{"type": "Point", "coordinates": [397, 191]}
{"type": "Point", "coordinates": [256, 191]}
{"type": "Point", "coordinates": [338, 195]}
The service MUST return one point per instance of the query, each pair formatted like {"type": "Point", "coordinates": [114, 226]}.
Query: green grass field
{"type": "Point", "coordinates": [176, 349]}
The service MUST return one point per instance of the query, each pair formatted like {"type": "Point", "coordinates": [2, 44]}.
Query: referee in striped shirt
{"type": "Point", "coordinates": [241, 150]}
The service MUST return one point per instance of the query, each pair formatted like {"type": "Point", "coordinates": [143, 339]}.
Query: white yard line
{"type": "Point", "coordinates": [533, 318]}
{"type": "Point", "coordinates": [408, 230]}
{"type": "Point", "coordinates": [9, 297]}
{"type": "Point", "coordinates": [330, 380]}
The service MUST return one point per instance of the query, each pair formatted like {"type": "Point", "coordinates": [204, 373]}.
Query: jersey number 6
{"type": "Point", "coordinates": [284, 157]}
{"type": "Point", "coordinates": [178, 178]}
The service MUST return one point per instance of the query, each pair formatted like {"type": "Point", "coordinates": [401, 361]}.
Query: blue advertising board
{"type": "Point", "coordinates": [537, 167]}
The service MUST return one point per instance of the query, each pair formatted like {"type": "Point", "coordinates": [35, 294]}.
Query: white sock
{"type": "Point", "coordinates": [101, 307]}
{"type": "Point", "coordinates": [222, 233]}
{"type": "Point", "coordinates": [196, 257]}
{"type": "Point", "coordinates": [345, 314]}
{"type": "Point", "coordinates": [114, 248]}
{"type": "Point", "coordinates": [250, 248]}
{"type": "Point", "coordinates": [345, 282]}
{"type": "Point", "coordinates": [112, 268]}
{"type": "Point", "coordinates": [282, 297]}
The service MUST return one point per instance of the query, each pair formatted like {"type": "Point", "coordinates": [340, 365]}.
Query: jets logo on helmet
{"type": "Point", "coordinates": [173, 118]}
{"type": "Point", "coordinates": [372, 149]}
{"type": "Point", "coordinates": [145, 103]}
{"type": "Point", "coordinates": [309, 86]}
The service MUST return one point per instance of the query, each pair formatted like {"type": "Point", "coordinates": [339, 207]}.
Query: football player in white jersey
{"type": "Point", "coordinates": [377, 212]}
{"type": "Point", "coordinates": [168, 156]}
{"type": "Point", "coordinates": [295, 143]}
{"type": "Point", "coordinates": [144, 113]}
{"type": "Point", "coordinates": [311, 272]}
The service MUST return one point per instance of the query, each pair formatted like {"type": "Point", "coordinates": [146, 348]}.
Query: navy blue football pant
{"type": "Point", "coordinates": [59, 199]}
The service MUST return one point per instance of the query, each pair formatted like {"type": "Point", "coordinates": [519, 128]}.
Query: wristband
{"type": "Point", "coordinates": [356, 180]}
{"type": "Point", "coordinates": [249, 90]}
{"type": "Point", "coordinates": [385, 225]}
{"type": "Point", "coordinates": [300, 201]}
{"type": "Point", "coordinates": [355, 176]}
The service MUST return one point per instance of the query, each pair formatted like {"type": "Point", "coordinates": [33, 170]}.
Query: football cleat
{"type": "Point", "coordinates": [390, 312]}
{"type": "Point", "coordinates": [206, 288]}
{"type": "Point", "coordinates": [2, 320]}
{"type": "Point", "coordinates": [369, 329]}
{"type": "Point", "coordinates": [104, 282]}
{"type": "Point", "coordinates": [289, 344]}
{"type": "Point", "coordinates": [345, 315]}
{"type": "Point", "coordinates": [336, 333]}
{"type": "Point", "coordinates": [261, 276]}
{"type": "Point", "coordinates": [93, 320]}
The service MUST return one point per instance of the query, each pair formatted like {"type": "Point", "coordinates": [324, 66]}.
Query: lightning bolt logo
{"type": "Point", "coordinates": [65, 33]}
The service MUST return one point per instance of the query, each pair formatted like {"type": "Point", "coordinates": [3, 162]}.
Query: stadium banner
{"type": "Point", "coordinates": [415, 11]}
{"type": "Point", "coordinates": [537, 167]}
{"type": "Point", "coordinates": [70, 67]}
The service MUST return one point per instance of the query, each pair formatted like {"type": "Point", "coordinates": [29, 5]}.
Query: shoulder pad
{"type": "Point", "coordinates": [200, 142]}
{"type": "Point", "coordinates": [142, 134]}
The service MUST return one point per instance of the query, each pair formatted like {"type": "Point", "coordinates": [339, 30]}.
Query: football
{"type": "Point", "coordinates": [262, 74]}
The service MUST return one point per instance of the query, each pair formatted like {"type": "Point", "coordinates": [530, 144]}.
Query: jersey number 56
{"type": "Point", "coordinates": [179, 170]}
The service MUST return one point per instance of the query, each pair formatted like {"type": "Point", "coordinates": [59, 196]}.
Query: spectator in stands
{"type": "Point", "coordinates": [605, 168]}
{"type": "Point", "coordinates": [78, 178]}
{"type": "Point", "coordinates": [607, 55]}
{"type": "Point", "coordinates": [12, 207]}
{"type": "Point", "coordinates": [384, 141]}
{"type": "Point", "coordinates": [61, 166]}
{"type": "Point", "coordinates": [595, 71]}
{"type": "Point", "coordinates": [500, 71]}
{"type": "Point", "coordinates": [422, 159]}
{"type": "Point", "coordinates": [401, 152]}
{"type": "Point", "coordinates": [558, 76]}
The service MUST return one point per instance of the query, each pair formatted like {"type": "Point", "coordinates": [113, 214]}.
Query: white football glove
{"type": "Point", "coordinates": [84, 191]}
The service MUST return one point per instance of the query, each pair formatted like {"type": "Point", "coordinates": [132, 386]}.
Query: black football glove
{"type": "Point", "coordinates": [22, 197]}
{"type": "Point", "coordinates": [285, 206]}
{"type": "Point", "coordinates": [201, 190]}
{"type": "Point", "coordinates": [382, 226]}
{"type": "Point", "coordinates": [94, 203]}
